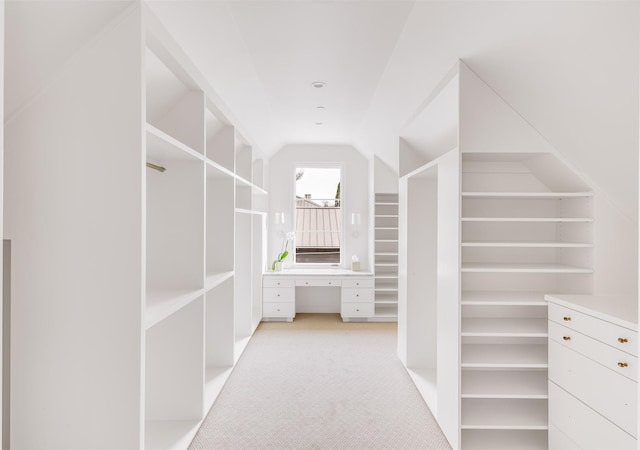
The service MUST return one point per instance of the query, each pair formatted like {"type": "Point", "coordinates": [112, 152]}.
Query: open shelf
{"type": "Point", "coordinates": [526, 384]}
{"type": "Point", "coordinates": [526, 195]}
{"type": "Point", "coordinates": [529, 219]}
{"type": "Point", "coordinates": [161, 304]}
{"type": "Point", "coordinates": [504, 327]}
{"type": "Point", "coordinates": [220, 141]}
{"type": "Point", "coordinates": [161, 146]}
{"type": "Point", "coordinates": [503, 298]}
{"type": "Point", "coordinates": [170, 434]}
{"type": "Point", "coordinates": [533, 356]}
{"type": "Point", "coordinates": [525, 244]}
{"type": "Point", "coordinates": [504, 414]}
{"type": "Point", "coordinates": [504, 440]}
{"type": "Point", "coordinates": [522, 268]}
{"type": "Point", "coordinates": [214, 380]}
{"type": "Point", "coordinates": [174, 377]}
{"type": "Point", "coordinates": [215, 279]}
{"type": "Point", "coordinates": [174, 104]}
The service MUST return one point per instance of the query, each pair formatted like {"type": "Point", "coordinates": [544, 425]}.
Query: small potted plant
{"type": "Point", "coordinates": [276, 265]}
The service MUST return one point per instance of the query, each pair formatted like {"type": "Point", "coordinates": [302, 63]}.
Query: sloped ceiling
{"type": "Point", "coordinates": [570, 68]}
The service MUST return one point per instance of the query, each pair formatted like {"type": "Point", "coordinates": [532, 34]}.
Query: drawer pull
{"type": "Point", "coordinates": [623, 340]}
{"type": "Point", "coordinates": [329, 282]}
{"type": "Point", "coordinates": [278, 295]}
{"type": "Point", "coordinates": [357, 284]}
{"type": "Point", "coordinates": [622, 364]}
{"type": "Point", "coordinates": [306, 282]}
{"type": "Point", "coordinates": [566, 318]}
{"type": "Point", "coordinates": [357, 295]}
{"type": "Point", "coordinates": [278, 283]}
{"type": "Point", "coordinates": [566, 338]}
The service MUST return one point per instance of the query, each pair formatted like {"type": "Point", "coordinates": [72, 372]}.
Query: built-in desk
{"type": "Point", "coordinates": [279, 291]}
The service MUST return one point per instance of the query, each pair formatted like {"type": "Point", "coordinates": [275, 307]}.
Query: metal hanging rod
{"type": "Point", "coordinates": [154, 167]}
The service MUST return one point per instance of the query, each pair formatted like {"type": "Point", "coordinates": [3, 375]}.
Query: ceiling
{"type": "Point", "coordinates": [570, 68]}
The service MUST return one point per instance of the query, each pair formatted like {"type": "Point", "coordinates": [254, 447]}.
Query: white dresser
{"type": "Point", "coordinates": [593, 356]}
{"type": "Point", "coordinates": [279, 292]}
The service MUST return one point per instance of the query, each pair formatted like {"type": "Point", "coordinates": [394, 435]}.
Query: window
{"type": "Point", "coordinates": [318, 218]}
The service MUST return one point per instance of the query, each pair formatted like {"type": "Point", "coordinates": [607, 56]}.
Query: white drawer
{"type": "Point", "coordinates": [351, 295]}
{"type": "Point", "coordinates": [357, 310]}
{"type": "Point", "coordinates": [319, 282]}
{"type": "Point", "coordinates": [583, 425]}
{"type": "Point", "coordinates": [560, 441]}
{"type": "Point", "coordinates": [621, 362]}
{"type": "Point", "coordinates": [278, 282]}
{"type": "Point", "coordinates": [607, 332]}
{"type": "Point", "coordinates": [358, 282]}
{"type": "Point", "coordinates": [278, 295]}
{"type": "Point", "coordinates": [278, 310]}
{"type": "Point", "coordinates": [612, 395]}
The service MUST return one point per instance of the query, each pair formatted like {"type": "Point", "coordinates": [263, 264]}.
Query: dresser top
{"type": "Point", "coordinates": [318, 272]}
{"type": "Point", "coordinates": [619, 309]}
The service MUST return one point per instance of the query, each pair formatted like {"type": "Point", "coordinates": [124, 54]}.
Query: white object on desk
{"type": "Point", "coordinates": [356, 291]}
{"type": "Point", "coordinates": [593, 352]}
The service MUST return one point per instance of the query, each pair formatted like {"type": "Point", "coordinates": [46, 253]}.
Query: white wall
{"type": "Point", "coordinates": [354, 192]}
{"type": "Point", "coordinates": [74, 202]}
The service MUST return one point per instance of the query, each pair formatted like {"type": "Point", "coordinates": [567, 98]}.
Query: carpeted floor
{"type": "Point", "coordinates": [320, 383]}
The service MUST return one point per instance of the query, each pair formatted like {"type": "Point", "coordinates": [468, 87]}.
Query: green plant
{"type": "Point", "coordinates": [284, 253]}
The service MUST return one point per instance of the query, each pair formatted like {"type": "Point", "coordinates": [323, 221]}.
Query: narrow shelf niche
{"type": "Point", "coordinates": [220, 210]}
{"type": "Point", "coordinates": [220, 141]}
{"type": "Point", "coordinates": [174, 104]}
{"type": "Point", "coordinates": [174, 374]}
{"type": "Point", "coordinates": [175, 223]}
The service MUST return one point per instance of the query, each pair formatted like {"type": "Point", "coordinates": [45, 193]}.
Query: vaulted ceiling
{"type": "Point", "coordinates": [570, 68]}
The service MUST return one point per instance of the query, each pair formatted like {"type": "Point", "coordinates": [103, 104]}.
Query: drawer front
{"type": "Point", "coordinates": [278, 295]}
{"type": "Point", "coordinates": [358, 282]}
{"type": "Point", "coordinates": [610, 394]}
{"type": "Point", "coordinates": [350, 295]}
{"type": "Point", "coordinates": [319, 282]}
{"type": "Point", "coordinates": [583, 425]}
{"type": "Point", "coordinates": [357, 310]}
{"type": "Point", "coordinates": [607, 332]}
{"type": "Point", "coordinates": [278, 310]}
{"type": "Point", "coordinates": [278, 282]}
{"type": "Point", "coordinates": [621, 362]}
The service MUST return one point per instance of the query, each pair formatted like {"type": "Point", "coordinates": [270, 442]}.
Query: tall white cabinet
{"type": "Point", "coordinates": [136, 262]}
{"type": "Point", "coordinates": [490, 221]}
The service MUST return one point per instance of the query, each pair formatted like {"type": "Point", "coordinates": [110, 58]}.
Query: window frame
{"type": "Point", "coordinates": [319, 165]}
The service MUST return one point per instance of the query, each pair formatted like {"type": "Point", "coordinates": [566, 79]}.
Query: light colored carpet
{"type": "Point", "coordinates": [320, 383]}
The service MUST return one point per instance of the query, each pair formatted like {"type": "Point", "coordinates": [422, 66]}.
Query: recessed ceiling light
{"type": "Point", "coordinates": [318, 84]}
{"type": "Point", "coordinates": [319, 123]}
{"type": "Point", "coordinates": [320, 108]}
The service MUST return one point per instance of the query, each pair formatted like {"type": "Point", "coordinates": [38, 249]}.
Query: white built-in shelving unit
{"type": "Point", "coordinates": [163, 290]}
{"type": "Point", "coordinates": [507, 266]}
{"type": "Point", "coordinates": [204, 251]}
{"type": "Point", "coordinates": [386, 256]}
{"type": "Point", "coordinates": [490, 220]}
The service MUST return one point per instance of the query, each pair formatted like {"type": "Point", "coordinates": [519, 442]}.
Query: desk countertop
{"type": "Point", "coordinates": [319, 273]}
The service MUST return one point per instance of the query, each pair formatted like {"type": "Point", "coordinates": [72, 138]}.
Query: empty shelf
{"type": "Point", "coordinates": [527, 244]}
{"type": "Point", "coordinates": [522, 268]}
{"type": "Point", "coordinates": [487, 327]}
{"type": "Point", "coordinates": [503, 298]}
{"type": "Point", "coordinates": [504, 384]}
{"type": "Point", "coordinates": [506, 356]}
{"type": "Point", "coordinates": [504, 414]}
{"type": "Point", "coordinates": [527, 195]}
{"type": "Point", "coordinates": [161, 304]}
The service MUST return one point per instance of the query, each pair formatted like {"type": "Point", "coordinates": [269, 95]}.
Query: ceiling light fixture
{"type": "Point", "coordinates": [319, 108]}
{"type": "Point", "coordinates": [318, 84]}
{"type": "Point", "coordinates": [319, 123]}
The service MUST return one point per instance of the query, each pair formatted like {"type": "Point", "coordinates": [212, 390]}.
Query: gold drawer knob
{"type": "Point", "coordinates": [623, 340]}
{"type": "Point", "coordinates": [566, 338]}
{"type": "Point", "coordinates": [566, 318]}
{"type": "Point", "coordinates": [622, 364]}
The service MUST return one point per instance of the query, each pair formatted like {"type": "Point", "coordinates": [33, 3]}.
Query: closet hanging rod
{"type": "Point", "coordinates": [154, 167]}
